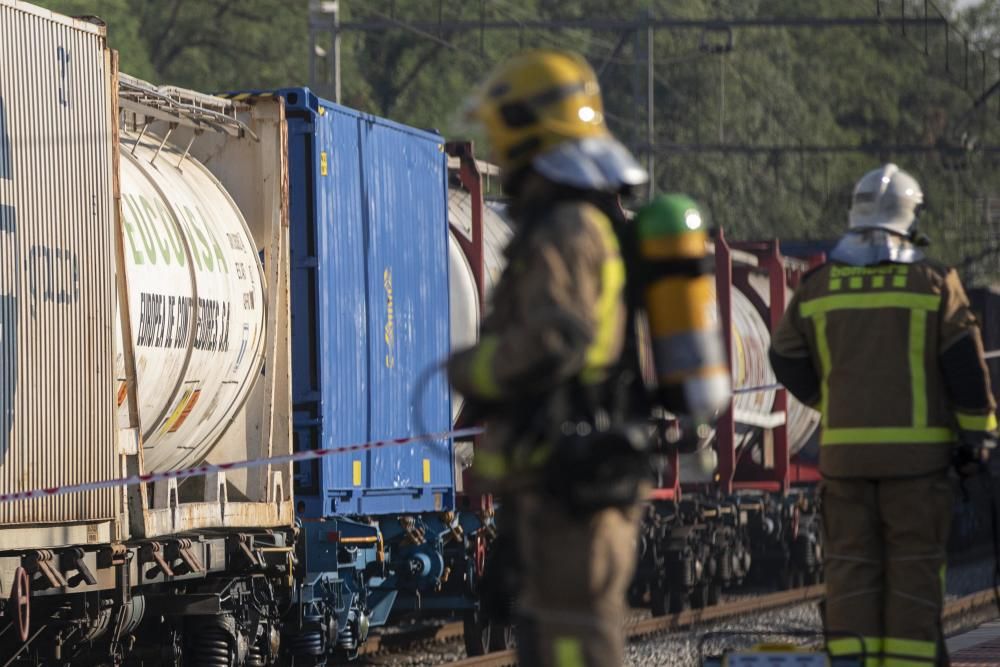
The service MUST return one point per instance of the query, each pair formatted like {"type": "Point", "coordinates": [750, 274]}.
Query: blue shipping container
{"type": "Point", "coordinates": [369, 259]}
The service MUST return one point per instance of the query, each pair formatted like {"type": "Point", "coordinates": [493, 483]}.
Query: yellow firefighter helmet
{"type": "Point", "coordinates": [543, 109]}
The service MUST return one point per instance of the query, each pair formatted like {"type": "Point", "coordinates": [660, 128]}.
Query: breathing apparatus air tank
{"type": "Point", "coordinates": [688, 351]}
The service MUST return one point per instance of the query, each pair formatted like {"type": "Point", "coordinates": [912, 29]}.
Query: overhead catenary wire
{"type": "Point", "coordinates": [595, 35]}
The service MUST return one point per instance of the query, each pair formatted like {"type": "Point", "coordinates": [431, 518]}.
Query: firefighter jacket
{"type": "Point", "coordinates": [558, 315]}
{"type": "Point", "coordinates": [891, 356]}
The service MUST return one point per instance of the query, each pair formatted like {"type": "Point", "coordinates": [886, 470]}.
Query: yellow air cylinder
{"type": "Point", "coordinates": [688, 353]}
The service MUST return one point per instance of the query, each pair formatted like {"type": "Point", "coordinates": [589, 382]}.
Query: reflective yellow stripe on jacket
{"type": "Point", "coordinates": [976, 422]}
{"type": "Point", "coordinates": [483, 377]}
{"type": "Point", "coordinates": [489, 465]}
{"type": "Point", "coordinates": [599, 354]}
{"type": "Point", "coordinates": [919, 305]}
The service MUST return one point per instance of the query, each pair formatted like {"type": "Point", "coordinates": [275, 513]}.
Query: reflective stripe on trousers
{"type": "Point", "coordinates": [885, 544]}
{"type": "Point", "coordinates": [568, 652]}
{"type": "Point", "coordinates": [885, 651]}
{"type": "Point", "coordinates": [852, 647]}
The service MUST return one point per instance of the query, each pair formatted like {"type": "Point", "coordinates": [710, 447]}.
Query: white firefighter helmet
{"type": "Point", "coordinates": [886, 198]}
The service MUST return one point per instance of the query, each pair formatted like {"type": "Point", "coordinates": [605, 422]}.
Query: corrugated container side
{"type": "Point", "coordinates": [408, 311]}
{"type": "Point", "coordinates": [56, 265]}
{"type": "Point", "coordinates": [329, 331]}
{"type": "Point", "coordinates": [371, 307]}
{"type": "Point", "coordinates": [339, 227]}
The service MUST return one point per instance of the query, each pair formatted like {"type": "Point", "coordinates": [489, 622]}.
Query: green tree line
{"type": "Point", "coordinates": [784, 108]}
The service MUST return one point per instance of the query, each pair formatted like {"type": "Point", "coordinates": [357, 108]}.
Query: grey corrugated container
{"type": "Point", "coordinates": [57, 291]}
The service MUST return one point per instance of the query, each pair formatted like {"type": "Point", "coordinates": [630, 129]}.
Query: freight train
{"type": "Point", "coordinates": [190, 279]}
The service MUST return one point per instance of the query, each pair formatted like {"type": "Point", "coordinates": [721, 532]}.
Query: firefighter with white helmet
{"type": "Point", "coordinates": [547, 371]}
{"type": "Point", "coordinates": [881, 340]}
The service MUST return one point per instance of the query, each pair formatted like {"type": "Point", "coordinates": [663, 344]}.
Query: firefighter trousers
{"type": "Point", "coordinates": [575, 572]}
{"type": "Point", "coordinates": [885, 543]}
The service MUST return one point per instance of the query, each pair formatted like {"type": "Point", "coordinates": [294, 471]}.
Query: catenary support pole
{"type": "Point", "coordinates": [650, 107]}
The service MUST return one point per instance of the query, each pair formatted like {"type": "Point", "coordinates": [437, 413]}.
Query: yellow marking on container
{"type": "Point", "coordinates": [122, 392]}
{"type": "Point", "coordinates": [357, 473]}
{"type": "Point", "coordinates": [323, 164]}
{"type": "Point", "coordinates": [389, 331]}
{"type": "Point", "coordinates": [427, 471]}
{"type": "Point", "coordinates": [186, 411]}
{"type": "Point", "coordinates": [322, 111]}
{"type": "Point", "coordinates": [177, 412]}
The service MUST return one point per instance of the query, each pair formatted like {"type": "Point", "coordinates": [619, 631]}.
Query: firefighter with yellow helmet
{"type": "Point", "coordinates": [881, 340]}
{"type": "Point", "coordinates": [545, 371]}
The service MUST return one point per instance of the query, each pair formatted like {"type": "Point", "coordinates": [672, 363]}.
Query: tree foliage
{"type": "Point", "coordinates": [797, 114]}
{"type": "Point", "coordinates": [831, 102]}
{"type": "Point", "coordinates": [209, 45]}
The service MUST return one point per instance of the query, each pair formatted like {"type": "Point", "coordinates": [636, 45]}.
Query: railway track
{"type": "Point", "coordinates": [954, 612]}
{"type": "Point", "coordinates": [648, 626]}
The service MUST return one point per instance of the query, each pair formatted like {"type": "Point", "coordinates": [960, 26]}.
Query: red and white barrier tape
{"type": "Point", "coordinates": [209, 468]}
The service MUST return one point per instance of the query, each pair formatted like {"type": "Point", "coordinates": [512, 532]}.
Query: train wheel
{"type": "Point", "coordinates": [477, 633]}
{"type": "Point", "coordinates": [19, 607]}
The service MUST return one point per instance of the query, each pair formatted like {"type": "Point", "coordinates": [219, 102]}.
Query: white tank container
{"type": "Point", "coordinates": [751, 368]}
{"type": "Point", "coordinates": [463, 295]}
{"type": "Point", "coordinates": [802, 421]}
{"type": "Point", "coordinates": [196, 301]}
{"type": "Point", "coordinates": [751, 337]}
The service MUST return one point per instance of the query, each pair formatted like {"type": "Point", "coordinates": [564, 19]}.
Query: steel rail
{"type": "Point", "coordinates": [410, 637]}
{"type": "Point", "coordinates": [972, 603]}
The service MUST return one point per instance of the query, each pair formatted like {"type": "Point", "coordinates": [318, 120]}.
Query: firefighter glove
{"type": "Point", "coordinates": [973, 452]}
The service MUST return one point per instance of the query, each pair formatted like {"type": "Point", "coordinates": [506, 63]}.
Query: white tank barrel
{"type": "Point", "coordinates": [751, 369]}
{"type": "Point", "coordinates": [751, 337]}
{"type": "Point", "coordinates": [802, 421]}
{"type": "Point", "coordinates": [196, 302]}
{"type": "Point", "coordinates": [463, 295]}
